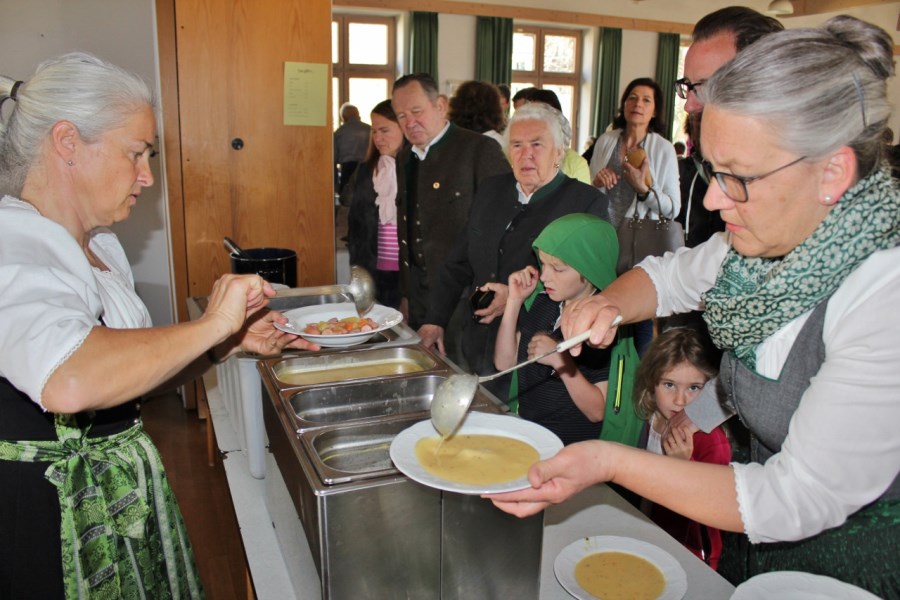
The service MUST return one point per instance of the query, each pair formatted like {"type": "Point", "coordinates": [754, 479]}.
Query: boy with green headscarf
{"type": "Point", "coordinates": [577, 398]}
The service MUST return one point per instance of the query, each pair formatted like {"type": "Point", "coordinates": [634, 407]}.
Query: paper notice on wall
{"type": "Point", "coordinates": [305, 93]}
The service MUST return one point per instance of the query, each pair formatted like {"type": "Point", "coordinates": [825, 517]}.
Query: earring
{"type": "Point", "coordinates": [828, 200]}
{"type": "Point", "coordinates": [70, 163]}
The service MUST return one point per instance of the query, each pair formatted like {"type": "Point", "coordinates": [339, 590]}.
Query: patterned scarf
{"type": "Point", "coordinates": [755, 297]}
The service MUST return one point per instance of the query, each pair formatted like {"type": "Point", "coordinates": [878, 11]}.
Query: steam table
{"type": "Point", "coordinates": [596, 511]}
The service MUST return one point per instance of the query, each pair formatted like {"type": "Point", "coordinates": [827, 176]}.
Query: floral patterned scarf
{"type": "Point", "coordinates": [755, 297]}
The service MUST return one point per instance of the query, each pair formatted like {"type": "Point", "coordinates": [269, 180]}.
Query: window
{"type": "Point", "coordinates": [549, 59]}
{"type": "Point", "coordinates": [363, 62]}
{"type": "Point", "coordinates": [679, 119]}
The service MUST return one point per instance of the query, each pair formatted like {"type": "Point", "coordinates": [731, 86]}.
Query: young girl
{"type": "Point", "coordinates": [576, 398]}
{"type": "Point", "coordinates": [677, 365]}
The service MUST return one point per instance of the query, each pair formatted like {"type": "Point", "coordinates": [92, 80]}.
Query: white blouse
{"type": "Point", "coordinates": [51, 297]}
{"type": "Point", "coordinates": [842, 450]}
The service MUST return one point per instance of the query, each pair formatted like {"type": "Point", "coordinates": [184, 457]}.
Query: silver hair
{"type": "Point", "coordinates": [819, 88]}
{"type": "Point", "coordinates": [556, 122]}
{"type": "Point", "coordinates": [92, 94]}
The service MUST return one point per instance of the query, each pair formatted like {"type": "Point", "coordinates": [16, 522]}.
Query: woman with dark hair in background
{"type": "Point", "coordinates": [650, 187]}
{"type": "Point", "coordinates": [372, 195]}
{"type": "Point", "coordinates": [638, 125]}
{"type": "Point", "coordinates": [475, 105]}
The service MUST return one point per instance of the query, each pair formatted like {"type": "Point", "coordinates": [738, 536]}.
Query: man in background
{"type": "Point", "coordinates": [437, 179]}
{"type": "Point", "coordinates": [351, 142]}
{"type": "Point", "coordinates": [717, 38]}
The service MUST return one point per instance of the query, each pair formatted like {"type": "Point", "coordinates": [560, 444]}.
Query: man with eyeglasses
{"type": "Point", "coordinates": [717, 38]}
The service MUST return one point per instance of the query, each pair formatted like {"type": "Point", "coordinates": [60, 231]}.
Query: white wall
{"type": "Point", "coordinates": [124, 33]}
{"type": "Point", "coordinates": [456, 50]}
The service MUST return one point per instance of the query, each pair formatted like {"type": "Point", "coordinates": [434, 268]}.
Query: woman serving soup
{"type": "Point", "coordinates": [85, 506]}
{"type": "Point", "coordinates": [801, 294]}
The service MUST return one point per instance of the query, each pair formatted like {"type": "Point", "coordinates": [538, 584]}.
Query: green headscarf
{"type": "Point", "coordinates": [589, 245]}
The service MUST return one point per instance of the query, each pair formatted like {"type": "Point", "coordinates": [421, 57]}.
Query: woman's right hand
{"type": "Point", "coordinates": [560, 477]}
{"type": "Point", "coordinates": [605, 178]}
{"type": "Point", "coordinates": [595, 313]}
{"type": "Point", "coordinates": [234, 298]}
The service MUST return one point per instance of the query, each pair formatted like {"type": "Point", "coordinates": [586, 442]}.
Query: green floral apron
{"type": "Point", "coordinates": [122, 533]}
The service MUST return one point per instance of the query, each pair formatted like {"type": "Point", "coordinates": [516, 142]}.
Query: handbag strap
{"type": "Point", "coordinates": [659, 207]}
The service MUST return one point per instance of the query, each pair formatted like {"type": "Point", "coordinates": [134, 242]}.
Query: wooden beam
{"type": "Point", "coordinates": [803, 8]}
{"type": "Point", "coordinates": [520, 13]}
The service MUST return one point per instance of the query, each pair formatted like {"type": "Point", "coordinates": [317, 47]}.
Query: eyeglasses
{"type": "Point", "coordinates": [735, 186]}
{"type": "Point", "coordinates": [684, 86]}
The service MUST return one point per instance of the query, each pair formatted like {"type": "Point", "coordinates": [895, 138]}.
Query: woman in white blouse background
{"type": "Point", "coordinates": [800, 292]}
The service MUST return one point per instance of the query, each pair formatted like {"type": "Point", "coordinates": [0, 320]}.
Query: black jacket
{"type": "Point", "coordinates": [442, 187]}
{"type": "Point", "coordinates": [496, 242]}
{"type": "Point", "coordinates": [362, 219]}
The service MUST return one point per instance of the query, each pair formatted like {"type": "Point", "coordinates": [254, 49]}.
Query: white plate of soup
{"type": "Point", "coordinates": [619, 568]}
{"type": "Point", "coordinates": [488, 454]}
{"type": "Point", "coordinates": [300, 318]}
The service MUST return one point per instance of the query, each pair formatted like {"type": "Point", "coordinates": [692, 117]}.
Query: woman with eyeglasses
{"type": "Point", "coordinates": [800, 292]}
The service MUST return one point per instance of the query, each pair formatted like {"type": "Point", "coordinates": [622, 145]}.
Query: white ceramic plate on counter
{"type": "Point", "coordinates": [571, 555]}
{"type": "Point", "coordinates": [796, 585]}
{"type": "Point", "coordinates": [299, 318]}
{"type": "Point", "coordinates": [403, 449]}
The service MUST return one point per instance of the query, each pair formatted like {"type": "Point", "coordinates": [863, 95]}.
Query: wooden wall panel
{"type": "Point", "coordinates": [277, 190]}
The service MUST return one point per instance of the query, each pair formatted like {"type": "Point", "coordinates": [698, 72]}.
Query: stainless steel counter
{"type": "Point", "coordinates": [263, 510]}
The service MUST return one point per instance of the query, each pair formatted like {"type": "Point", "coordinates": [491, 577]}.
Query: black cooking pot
{"type": "Point", "coordinates": [275, 265]}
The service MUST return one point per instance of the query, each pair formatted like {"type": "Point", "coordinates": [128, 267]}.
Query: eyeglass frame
{"type": "Point", "coordinates": [721, 177]}
{"type": "Point", "coordinates": [684, 86]}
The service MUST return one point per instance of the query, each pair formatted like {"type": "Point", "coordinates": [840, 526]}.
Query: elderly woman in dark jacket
{"type": "Point", "coordinates": [372, 196]}
{"type": "Point", "coordinates": [508, 213]}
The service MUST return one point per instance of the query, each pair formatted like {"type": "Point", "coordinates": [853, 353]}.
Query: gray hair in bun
{"type": "Point", "coordinates": [94, 95]}
{"type": "Point", "coordinates": [819, 88]}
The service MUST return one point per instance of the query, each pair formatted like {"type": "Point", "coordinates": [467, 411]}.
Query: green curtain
{"type": "Point", "coordinates": [493, 49]}
{"type": "Point", "coordinates": [607, 86]}
{"type": "Point", "coordinates": [666, 73]}
{"type": "Point", "coordinates": [423, 44]}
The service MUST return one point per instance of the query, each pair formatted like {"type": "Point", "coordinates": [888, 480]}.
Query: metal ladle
{"type": "Point", "coordinates": [454, 395]}
{"type": "Point", "coordinates": [362, 289]}
{"type": "Point", "coordinates": [235, 249]}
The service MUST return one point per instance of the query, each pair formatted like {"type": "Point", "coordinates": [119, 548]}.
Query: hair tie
{"type": "Point", "coordinates": [862, 99]}
{"type": "Point", "coordinates": [12, 94]}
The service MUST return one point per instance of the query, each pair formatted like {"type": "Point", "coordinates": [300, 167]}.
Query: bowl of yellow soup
{"type": "Point", "coordinates": [619, 568]}
{"type": "Point", "coordinates": [488, 454]}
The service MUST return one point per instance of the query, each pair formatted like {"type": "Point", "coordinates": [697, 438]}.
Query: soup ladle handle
{"type": "Point", "coordinates": [560, 347]}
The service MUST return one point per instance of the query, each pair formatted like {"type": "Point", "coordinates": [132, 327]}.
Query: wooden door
{"type": "Point", "coordinates": [233, 168]}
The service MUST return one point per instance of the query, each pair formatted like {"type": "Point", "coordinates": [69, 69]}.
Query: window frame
{"type": "Point", "coordinates": [540, 78]}
{"type": "Point", "coordinates": [344, 71]}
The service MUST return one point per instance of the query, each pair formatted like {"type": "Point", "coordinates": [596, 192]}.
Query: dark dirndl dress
{"type": "Point", "coordinates": [85, 508]}
{"type": "Point", "coordinates": [865, 550]}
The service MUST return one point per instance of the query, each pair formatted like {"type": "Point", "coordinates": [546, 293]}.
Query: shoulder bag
{"type": "Point", "coordinates": [643, 237]}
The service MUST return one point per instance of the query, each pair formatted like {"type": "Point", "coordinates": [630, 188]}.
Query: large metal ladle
{"type": "Point", "coordinates": [362, 289]}
{"type": "Point", "coordinates": [454, 395]}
